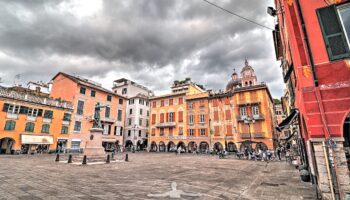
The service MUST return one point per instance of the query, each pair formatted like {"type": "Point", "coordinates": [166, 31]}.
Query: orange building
{"type": "Point", "coordinates": [30, 123]}
{"type": "Point", "coordinates": [85, 94]}
{"type": "Point", "coordinates": [168, 127]}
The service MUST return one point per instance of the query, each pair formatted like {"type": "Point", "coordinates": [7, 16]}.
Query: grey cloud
{"type": "Point", "coordinates": [141, 38]}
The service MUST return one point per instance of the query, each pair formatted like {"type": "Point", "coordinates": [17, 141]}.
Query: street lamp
{"type": "Point", "coordinates": [135, 127]}
{"type": "Point", "coordinates": [248, 121]}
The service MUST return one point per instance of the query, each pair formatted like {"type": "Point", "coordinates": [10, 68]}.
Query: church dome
{"type": "Point", "coordinates": [232, 84]}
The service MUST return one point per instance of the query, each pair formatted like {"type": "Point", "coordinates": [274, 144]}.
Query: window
{"type": "Point", "coordinates": [140, 122]}
{"type": "Point", "coordinates": [191, 132]}
{"type": "Point", "coordinates": [120, 101]}
{"type": "Point", "coordinates": [82, 90]}
{"type": "Point", "coordinates": [170, 131]}
{"type": "Point", "coordinates": [147, 113]}
{"type": "Point", "coordinates": [154, 104]}
{"type": "Point", "coordinates": [130, 111]}
{"type": "Point", "coordinates": [77, 126]}
{"type": "Point", "coordinates": [107, 112]}
{"type": "Point", "coordinates": [12, 108]}
{"type": "Point", "coordinates": [93, 93]}
{"type": "Point", "coordinates": [181, 100]}
{"type": "Point", "coordinates": [124, 91]}
{"type": "Point", "coordinates": [180, 116]}
{"type": "Point", "coordinates": [120, 115]}
{"type": "Point", "coordinates": [48, 114]}
{"type": "Point", "coordinates": [153, 131]}
{"type": "Point", "coordinates": [80, 108]}
{"type": "Point", "coordinates": [171, 117]}
{"type": "Point", "coordinates": [121, 131]}
{"type": "Point", "coordinates": [162, 103]}
{"type": "Point", "coordinates": [181, 132]}
{"type": "Point", "coordinates": [64, 130]}
{"type": "Point", "coordinates": [153, 118]}
{"type": "Point", "coordinates": [243, 111]}
{"type": "Point", "coordinates": [202, 118]}
{"type": "Point", "coordinates": [190, 106]}
{"type": "Point", "coordinates": [255, 110]}
{"type": "Point", "coordinates": [171, 102]}
{"type": "Point", "coordinates": [147, 122]}
{"type": "Point", "coordinates": [109, 98]}
{"type": "Point", "coordinates": [140, 111]}
{"type": "Point", "coordinates": [191, 119]}
{"type": "Point", "coordinates": [142, 102]}
{"type": "Point", "coordinates": [335, 29]}
{"type": "Point", "coordinates": [75, 145]}
{"type": "Point", "coordinates": [202, 131]}
{"type": "Point", "coordinates": [67, 117]}
{"type": "Point", "coordinates": [140, 133]}
{"type": "Point", "coordinates": [131, 101]}
{"type": "Point", "coordinates": [10, 125]}
{"type": "Point", "coordinates": [32, 112]}
{"type": "Point", "coordinates": [161, 131]}
{"type": "Point", "coordinates": [146, 103]}
{"type": "Point", "coordinates": [29, 127]}
{"type": "Point", "coordinates": [129, 133]}
{"type": "Point", "coordinates": [129, 121]}
{"type": "Point", "coordinates": [45, 128]}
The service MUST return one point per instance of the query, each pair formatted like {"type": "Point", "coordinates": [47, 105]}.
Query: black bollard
{"type": "Point", "coordinates": [70, 158]}
{"type": "Point", "coordinates": [84, 160]}
{"type": "Point", "coordinates": [113, 156]}
{"type": "Point", "coordinates": [108, 159]}
{"type": "Point", "coordinates": [57, 157]}
{"type": "Point", "coordinates": [126, 157]}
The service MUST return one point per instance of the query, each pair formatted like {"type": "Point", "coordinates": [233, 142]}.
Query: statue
{"type": "Point", "coordinates": [97, 117]}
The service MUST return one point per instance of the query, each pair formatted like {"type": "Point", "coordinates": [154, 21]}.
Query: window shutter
{"type": "Point", "coordinates": [333, 33]}
{"type": "Point", "coordinates": [167, 117]}
{"type": "Point", "coordinates": [6, 107]}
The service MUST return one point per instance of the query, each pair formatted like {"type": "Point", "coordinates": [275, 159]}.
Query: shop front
{"type": "Point", "coordinates": [32, 144]}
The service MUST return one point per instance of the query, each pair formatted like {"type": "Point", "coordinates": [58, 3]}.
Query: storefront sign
{"type": "Point", "coordinates": [36, 139]}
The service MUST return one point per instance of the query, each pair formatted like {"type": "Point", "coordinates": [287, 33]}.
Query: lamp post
{"type": "Point", "coordinates": [248, 121]}
{"type": "Point", "coordinates": [134, 128]}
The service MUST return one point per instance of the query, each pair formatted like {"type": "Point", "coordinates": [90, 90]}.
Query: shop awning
{"type": "Point", "coordinates": [109, 140]}
{"type": "Point", "coordinates": [287, 121]}
{"type": "Point", "coordinates": [36, 139]}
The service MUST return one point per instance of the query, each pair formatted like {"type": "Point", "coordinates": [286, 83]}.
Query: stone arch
{"type": "Point", "coordinates": [244, 145]}
{"type": "Point", "coordinates": [139, 145]}
{"type": "Point", "coordinates": [171, 146]}
{"type": "Point", "coordinates": [260, 145]}
{"type": "Point", "coordinates": [161, 146]}
{"type": "Point", "coordinates": [182, 145]}
{"type": "Point", "coordinates": [346, 135]}
{"type": "Point", "coordinates": [218, 147]}
{"type": "Point", "coordinates": [129, 145]}
{"type": "Point", "coordinates": [154, 147]}
{"type": "Point", "coordinates": [203, 147]}
{"type": "Point", "coordinates": [231, 147]}
{"type": "Point", "coordinates": [6, 145]}
{"type": "Point", "coordinates": [192, 146]}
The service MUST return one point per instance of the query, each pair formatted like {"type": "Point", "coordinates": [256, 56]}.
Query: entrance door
{"type": "Point", "coordinates": [6, 145]}
{"type": "Point", "coordinates": [346, 135]}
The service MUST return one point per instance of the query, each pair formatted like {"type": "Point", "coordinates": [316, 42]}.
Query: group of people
{"type": "Point", "coordinates": [264, 154]}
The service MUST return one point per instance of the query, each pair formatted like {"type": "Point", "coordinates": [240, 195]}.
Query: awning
{"type": "Point", "coordinates": [36, 139]}
{"type": "Point", "coordinates": [109, 140]}
{"type": "Point", "coordinates": [287, 139]}
{"type": "Point", "coordinates": [287, 121]}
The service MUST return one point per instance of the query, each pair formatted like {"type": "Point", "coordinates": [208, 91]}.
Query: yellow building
{"type": "Point", "coordinates": [168, 127]}
{"type": "Point", "coordinates": [32, 123]}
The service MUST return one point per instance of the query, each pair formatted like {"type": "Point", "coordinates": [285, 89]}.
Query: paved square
{"type": "Point", "coordinates": [149, 175]}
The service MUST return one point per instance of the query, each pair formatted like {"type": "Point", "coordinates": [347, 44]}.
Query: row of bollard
{"type": "Point", "coordinates": [85, 158]}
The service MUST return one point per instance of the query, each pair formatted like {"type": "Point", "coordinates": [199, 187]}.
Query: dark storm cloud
{"type": "Point", "coordinates": [152, 42]}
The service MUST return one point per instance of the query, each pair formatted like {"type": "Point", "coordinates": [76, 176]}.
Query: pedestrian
{"type": "Point", "coordinates": [278, 151]}
{"type": "Point", "coordinates": [269, 154]}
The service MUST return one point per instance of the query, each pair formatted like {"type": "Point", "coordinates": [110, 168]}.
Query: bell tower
{"type": "Point", "coordinates": [248, 77]}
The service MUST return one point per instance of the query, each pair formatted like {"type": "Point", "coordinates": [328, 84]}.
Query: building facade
{"type": "Point", "coordinates": [195, 119]}
{"type": "Point", "coordinates": [30, 123]}
{"type": "Point", "coordinates": [84, 95]}
{"type": "Point", "coordinates": [137, 112]}
{"type": "Point", "coordinates": [312, 42]}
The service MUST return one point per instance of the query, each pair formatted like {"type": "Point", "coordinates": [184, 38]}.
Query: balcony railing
{"type": "Point", "coordinates": [166, 124]}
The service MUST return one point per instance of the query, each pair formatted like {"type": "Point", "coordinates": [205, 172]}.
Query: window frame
{"type": "Point", "coordinates": [10, 125]}
{"type": "Point", "coordinates": [29, 127]}
{"type": "Point", "coordinates": [45, 128]}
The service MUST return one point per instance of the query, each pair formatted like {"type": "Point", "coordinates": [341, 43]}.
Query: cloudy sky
{"type": "Point", "coordinates": [152, 42]}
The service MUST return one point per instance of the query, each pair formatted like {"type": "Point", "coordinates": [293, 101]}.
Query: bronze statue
{"type": "Point", "coordinates": [97, 117]}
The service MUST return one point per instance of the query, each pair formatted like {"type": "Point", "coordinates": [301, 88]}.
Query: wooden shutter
{"type": "Point", "coordinates": [228, 114]}
{"type": "Point", "coordinates": [229, 130]}
{"type": "Point", "coordinates": [180, 116]}
{"type": "Point", "coordinates": [216, 115]}
{"type": "Point", "coordinates": [153, 118]}
{"type": "Point", "coordinates": [167, 117]}
{"type": "Point", "coordinates": [216, 130]}
{"type": "Point", "coordinates": [161, 117]}
{"type": "Point", "coordinates": [333, 33]}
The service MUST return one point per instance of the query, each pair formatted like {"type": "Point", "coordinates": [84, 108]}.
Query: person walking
{"type": "Point", "coordinates": [278, 151]}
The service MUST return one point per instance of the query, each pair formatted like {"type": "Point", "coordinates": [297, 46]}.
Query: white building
{"type": "Point", "coordinates": [137, 112]}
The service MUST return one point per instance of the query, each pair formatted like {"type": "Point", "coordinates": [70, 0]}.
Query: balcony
{"type": "Point", "coordinates": [258, 135]}
{"type": "Point", "coordinates": [243, 102]}
{"type": "Point", "coordinates": [260, 116]}
{"type": "Point", "coordinates": [245, 135]}
{"type": "Point", "coordinates": [31, 118]}
{"type": "Point", "coordinates": [166, 124]}
{"type": "Point", "coordinates": [12, 116]}
{"type": "Point", "coordinates": [47, 120]}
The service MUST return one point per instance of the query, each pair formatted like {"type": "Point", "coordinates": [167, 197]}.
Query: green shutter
{"type": "Point", "coordinates": [333, 33]}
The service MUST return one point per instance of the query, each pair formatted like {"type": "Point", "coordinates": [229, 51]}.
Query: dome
{"type": "Point", "coordinates": [247, 67]}
{"type": "Point", "coordinates": [232, 84]}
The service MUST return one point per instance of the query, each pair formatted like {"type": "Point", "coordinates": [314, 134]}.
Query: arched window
{"type": "Point", "coordinates": [246, 83]}
{"type": "Point", "coordinates": [250, 83]}
{"type": "Point", "coordinates": [29, 127]}
{"type": "Point", "coordinates": [45, 128]}
{"type": "Point", "coordinates": [10, 125]}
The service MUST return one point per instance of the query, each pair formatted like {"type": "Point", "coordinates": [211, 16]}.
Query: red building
{"type": "Point", "coordinates": [312, 41]}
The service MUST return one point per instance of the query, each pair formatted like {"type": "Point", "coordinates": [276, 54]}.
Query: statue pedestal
{"type": "Point", "coordinates": [94, 145]}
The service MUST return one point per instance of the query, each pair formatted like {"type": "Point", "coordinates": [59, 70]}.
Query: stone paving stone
{"type": "Point", "coordinates": [38, 176]}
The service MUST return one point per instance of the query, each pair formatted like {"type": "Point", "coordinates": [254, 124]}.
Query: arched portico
{"type": "Point", "coordinates": [6, 145]}
{"type": "Point", "coordinates": [162, 146]}
{"type": "Point", "coordinates": [181, 145]}
{"type": "Point", "coordinates": [128, 145]}
{"type": "Point", "coordinates": [171, 146]}
{"type": "Point", "coordinates": [192, 146]}
{"type": "Point", "coordinates": [203, 147]}
{"type": "Point", "coordinates": [231, 147]}
{"type": "Point", "coordinates": [218, 147]}
{"type": "Point", "coordinates": [153, 147]}
{"type": "Point", "coordinates": [346, 135]}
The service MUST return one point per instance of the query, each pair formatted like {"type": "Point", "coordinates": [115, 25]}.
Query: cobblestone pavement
{"type": "Point", "coordinates": [148, 175]}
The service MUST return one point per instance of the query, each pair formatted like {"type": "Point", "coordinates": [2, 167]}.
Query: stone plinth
{"type": "Point", "coordinates": [94, 145]}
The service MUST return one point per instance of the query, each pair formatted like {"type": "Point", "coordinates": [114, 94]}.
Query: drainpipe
{"type": "Point", "coordinates": [328, 169]}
